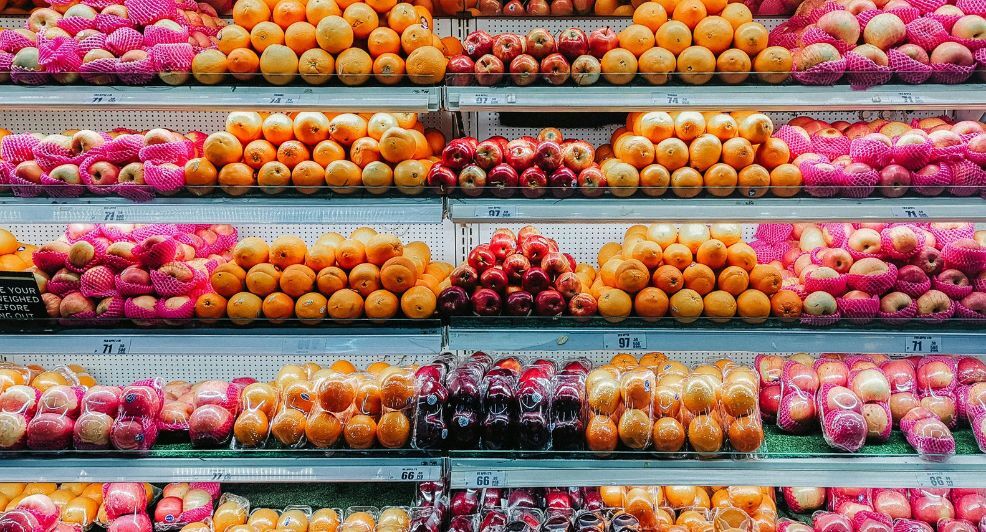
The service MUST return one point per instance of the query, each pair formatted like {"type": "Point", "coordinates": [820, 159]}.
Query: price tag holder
{"type": "Point", "coordinates": [905, 97]}
{"type": "Point", "coordinates": [103, 98]}
{"type": "Point", "coordinates": [486, 99]}
{"type": "Point", "coordinates": [310, 346]}
{"type": "Point", "coordinates": [113, 346]}
{"type": "Point", "coordinates": [410, 474]}
{"type": "Point", "coordinates": [933, 479]}
{"type": "Point", "coordinates": [908, 212]}
{"type": "Point", "coordinates": [493, 211]}
{"type": "Point", "coordinates": [672, 99]}
{"type": "Point", "coordinates": [284, 98]}
{"type": "Point", "coordinates": [625, 341]}
{"type": "Point", "coordinates": [113, 214]}
{"type": "Point", "coordinates": [488, 479]}
{"type": "Point", "coordinates": [922, 344]}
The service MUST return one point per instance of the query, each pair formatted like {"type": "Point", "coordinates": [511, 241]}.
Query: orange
{"type": "Point", "coordinates": [668, 435]}
{"type": "Point", "coordinates": [734, 280]}
{"type": "Point", "coordinates": [742, 255]}
{"type": "Point", "coordinates": [689, 12]}
{"type": "Point", "coordinates": [381, 305]}
{"type": "Point", "coordinates": [249, 13]}
{"type": "Point", "coordinates": [418, 302]}
{"type": "Point", "coordinates": [714, 33]}
{"type": "Point", "coordinates": [614, 304]}
{"type": "Point", "coordinates": [696, 64]}
{"type": "Point", "coordinates": [751, 37]}
{"type": "Point", "coordinates": [686, 182]}
{"type": "Point", "coordinates": [334, 34]}
{"type": "Point", "coordinates": [200, 176]}
{"type": "Point", "coordinates": [772, 153]}
{"type": "Point", "coordinates": [365, 278]}
{"type": "Point", "coordinates": [672, 154]}
{"type": "Point", "coordinates": [278, 128]}
{"type": "Point", "coordinates": [756, 128]}
{"type": "Point", "coordinates": [243, 63]}
{"type": "Point", "coordinates": [346, 128]}
{"type": "Point", "coordinates": [292, 153]}
{"type": "Point", "coordinates": [381, 6]}
{"type": "Point", "coordinates": [377, 177]}
{"type": "Point", "coordinates": [674, 36]}
{"type": "Point", "coordinates": [746, 433]}
{"type": "Point", "coordinates": [686, 305]}
{"type": "Point", "coordinates": [360, 432]}
{"type": "Point", "coordinates": [232, 37]}
{"type": "Point", "coordinates": [753, 306]}
{"type": "Point", "coordinates": [786, 305]}
{"type": "Point", "coordinates": [754, 181]}
{"type": "Point", "coordinates": [668, 278]}
{"type": "Point", "coordinates": [651, 15]}
{"type": "Point", "coordinates": [331, 280]}
{"type": "Point", "coordinates": [656, 64]}
{"type": "Point", "coordinates": [279, 64]}
{"type": "Point", "coordinates": [227, 279]}
{"type": "Point", "coordinates": [737, 14]}
{"type": "Point", "coordinates": [383, 247]}
{"type": "Point", "coordinates": [327, 151]}
{"type": "Point", "coordinates": [413, 37]}
{"type": "Point", "coordinates": [699, 278]}
{"type": "Point", "coordinates": [397, 144]}
{"type": "Point", "coordinates": [311, 308]}
{"type": "Point", "coordinates": [266, 34]}
{"type": "Point", "coordinates": [311, 127]}
{"type": "Point", "coordinates": [243, 308]}
{"type": "Point", "coordinates": [637, 38]}
{"type": "Point", "coordinates": [316, 10]}
{"type": "Point", "coordinates": [401, 17]}
{"type": "Point", "coordinates": [364, 151]}
{"type": "Point", "coordinates": [258, 153]}
{"type": "Point", "coordinates": [236, 179]}
{"type": "Point", "coordinates": [222, 148]}
{"type": "Point", "coordinates": [362, 18]}
{"type": "Point", "coordinates": [343, 177]}
{"type": "Point", "coordinates": [394, 430]}
{"type": "Point", "coordinates": [785, 180]}
{"type": "Point", "coordinates": [273, 177]}
{"type": "Point", "coordinates": [720, 180]}
{"type": "Point", "coordinates": [316, 66]}
{"type": "Point", "coordinates": [711, 253]}
{"type": "Point", "coordinates": [601, 433]}
{"type": "Point", "coordinates": [297, 280]}
{"type": "Point", "coordinates": [278, 307]}
{"type": "Point", "coordinates": [426, 65]}
{"type": "Point", "coordinates": [388, 69]}
{"type": "Point", "coordinates": [323, 429]}
{"type": "Point", "coordinates": [383, 40]}
{"type": "Point", "coordinates": [773, 64]}
{"type": "Point", "coordinates": [651, 302]}
{"type": "Point", "coordinates": [619, 66]}
{"type": "Point", "coordinates": [705, 434]}
{"type": "Point", "coordinates": [263, 279]}
{"type": "Point", "coordinates": [733, 66]}
{"type": "Point", "coordinates": [719, 305]}
{"type": "Point", "coordinates": [345, 304]}
{"type": "Point", "coordinates": [766, 278]}
{"type": "Point", "coordinates": [288, 426]}
{"type": "Point", "coordinates": [704, 152]}
{"type": "Point", "coordinates": [738, 153]}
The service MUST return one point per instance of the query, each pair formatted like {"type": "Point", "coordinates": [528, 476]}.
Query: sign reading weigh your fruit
{"type": "Point", "coordinates": [20, 298]}
{"type": "Point", "coordinates": [625, 341]}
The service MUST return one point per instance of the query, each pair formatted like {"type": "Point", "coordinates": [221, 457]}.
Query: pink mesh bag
{"type": "Point", "coordinates": [857, 255]}
{"type": "Point", "coordinates": [906, 69]}
{"type": "Point", "coordinates": [73, 25]}
{"type": "Point", "coordinates": [872, 521]}
{"type": "Point", "coordinates": [228, 237]}
{"type": "Point", "coordinates": [968, 314]}
{"type": "Point", "coordinates": [976, 157]}
{"type": "Point", "coordinates": [822, 180]}
{"type": "Point", "coordinates": [784, 419]}
{"type": "Point", "coordinates": [953, 291]}
{"type": "Point", "coordinates": [90, 422]}
{"type": "Point", "coordinates": [160, 35]}
{"type": "Point", "coordinates": [60, 54]}
{"type": "Point", "coordinates": [123, 149]}
{"type": "Point", "coordinates": [820, 321]}
{"type": "Point", "coordinates": [773, 233]}
{"type": "Point", "coordinates": [49, 261]}
{"type": "Point", "coordinates": [888, 249]}
{"type": "Point", "coordinates": [968, 178]}
{"type": "Point", "coordinates": [132, 289]}
{"type": "Point", "coordinates": [926, 32]}
{"type": "Point", "coordinates": [912, 156]}
{"type": "Point", "coordinates": [118, 263]}
{"type": "Point", "coordinates": [874, 284]}
{"type": "Point", "coordinates": [62, 285]}
{"type": "Point", "coordinates": [123, 40]}
{"type": "Point", "coordinates": [948, 153]}
{"type": "Point", "coordinates": [170, 152]}
{"type": "Point", "coordinates": [172, 57]}
{"type": "Point", "coordinates": [79, 232]}
{"type": "Point", "coordinates": [844, 430]}
{"type": "Point", "coordinates": [156, 254]}
{"type": "Point", "coordinates": [965, 258]}
{"type": "Point", "coordinates": [183, 312]}
{"type": "Point", "coordinates": [796, 143]}
{"type": "Point", "coordinates": [100, 71]}
{"type": "Point", "coordinates": [947, 21]}
{"type": "Point", "coordinates": [835, 286]}
{"type": "Point", "coordinates": [98, 282]}
{"type": "Point", "coordinates": [900, 317]}
{"type": "Point", "coordinates": [814, 35]}
{"type": "Point", "coordinates": [871, 152]}
{"type": "Point", "coordinates": [100, 4]}
{"type": "Point", "coordinates": [89, 181]}
{"type": "Point", "coordinates": [60, 189]}
{"type": "Point", "coordinates": [830, 147]}
{"type": "Point", "coordinates": [137, 72]}
{"type": "Point", "coordinates": [884, 435]}
{"type": "Point", "coordinates": [92, 42]}
{"type": "Point", "coordinates": [972, 7]}
{"type": "Point", "coordinates": [931, 439]}
{"type": "Point", "coordinates": [167, 286]}
{"type": "Point", "coordinates": [951, 74]}
{"type": "Point", "coordinates": [822, 74]}
{"type": "Point", "coordinates": [108, 23]}
{"type": "Point", "coordinates": [115, 232]}
{"type": "Point", "coordinates": [143, 232]}
{"type": "Point", "coordinates": [134, 192]}
{"type": "Point", "coordinates": [134, 433]}
{"type": "Point", "coordinates": [911, 525]}
{"type": "Point", "coordinates": [99, 246]}
{"type": "Point", "coordinates": [113, 311]}
{"type": "Point", "coordinates": [905, 14]}
{"type": "Point", "coordinates": [164, 179]}
{"type": "Point", "coordinates": [837, 232]}
{"type": "Point", "coordinates": [859, 311]}
{"type": "Point", "coordinates": [932, 184]}
{"type": "Point", "coordinates": [938, 317]}
{"type": "Point", "coordinates": [145, 12]}
{"type": "Point", "coordinates": [13, 42]}
{"type": "Point", "coordinates": [946, 235]}
{"type": "Point", "coordinates": [860, 184]}
{"type": "Point", "coordinates": [864, 17]}
{"type": "Point", "coordinates": [49, 155]}
{"type": "Point", "coordinates": [16, 149]}
{"type": "Point", "coordinates": [6, 59]}
{"type": "Point", "coordinates": [913, 289]}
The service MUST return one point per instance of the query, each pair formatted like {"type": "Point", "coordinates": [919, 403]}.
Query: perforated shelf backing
{"type": "Point", "coordinates": [123, 369]}
{"type": "Point", "coordinates": [522, 25]}
{"type": "Point", "coordinates": [439, 237]}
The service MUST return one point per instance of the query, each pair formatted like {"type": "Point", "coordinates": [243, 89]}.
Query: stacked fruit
{"type": "Point", "coordinates": [15, 256]}
{"type": "Point", "coordinates": [321, 40]}
{"type": "Point", "coordinates": [872, 42]}
{"type": "Point", "coordinates": [145, 273]}
{"type": "Point", "coordinates": [689, 271]}
{"type": "Point", "coordinates": [660, 403]}
{"type": "Point", "coordinates": [696, 507]}
{"type": "Point", "coordinates": [369, 274]}
{"type": "Point", "coordinates": [894, 272]}
{"type": "Point", "coordinates": [692, 43]}
{"type": "Point", "coordinates": [38, 408]}
{"type": "Point", "coordinates": [927, 156]}
{"type": "Point", "coordinates": [517, 275]}
{"type": "Point", "coordinates": [133, 165]}
{"type": "Point", "coordinates": [312, 152]}
{"type": "Point", "coordinates": [204, 410]}
{"type": "Point", "coordinates": [312, 405]}
{"type": "Point", "coordinates": [131, 42]}
{"type": "Point", "coordinates": [882, 509]}
{"type": "Point", "coordinates": [532, 165]}
{"type": "Point", "coordinates": [68, 506]}
{"type": "Point", "coordinates": [691, 153]}
{"type": "Point", "coordinates": [536, 509]}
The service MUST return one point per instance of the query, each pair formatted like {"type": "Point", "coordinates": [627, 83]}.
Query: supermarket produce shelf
{"type": "Point", "coordinates": [547, 210]}
{"type": "Point", "coordinates": [593, 334]}
{"type": "Point", "coordinates": [268, 210]}
{"type": "Point", "coordinates": [425, 336]}
{"type": "Point", "coordinates": [222, 98]}
{"type": "Point", "coordinates": [835, 471]}
{"type": "Point", "coordinates": [790, 97]}
{"type": "Point", "coordinates": [319, 466]}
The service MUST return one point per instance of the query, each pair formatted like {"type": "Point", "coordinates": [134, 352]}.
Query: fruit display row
{"type": "Point", "coordinates": [692, 41]}
{"type": "Point", "coordinates": [912, 41]}
{"type": "Point", "coordinates": [687, 153]}
{"type": "Point", "coordinates": [890, 272]}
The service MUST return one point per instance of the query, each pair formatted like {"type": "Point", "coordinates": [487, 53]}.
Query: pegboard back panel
{"type": "Point", "coordinates": [440, 238]}
{"type": "Point", "coordinates": [522, 25]}
{"type": "Point", "coordinates": [122, 369]}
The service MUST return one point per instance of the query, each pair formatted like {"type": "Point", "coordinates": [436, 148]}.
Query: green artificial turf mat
{"type": "Point", "coordinates": [778, 444]}
{"type": "Point", "coordinates": [342, 495]}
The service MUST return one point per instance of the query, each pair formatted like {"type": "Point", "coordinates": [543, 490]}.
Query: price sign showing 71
{"type": "Point", "coordinates": [922, 344]}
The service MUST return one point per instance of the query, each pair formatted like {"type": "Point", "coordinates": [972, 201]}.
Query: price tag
{"type": "Point", "coordinates": [219, 475]}
{"type": "Point", "coordinates": [935, 480]}
{"type": "Point", "coordinates": [922, 344]}
{"type": "Point", "coordinates": [282, 98]}
{"type": "Point", "coordinates": [113, 214]}
{"type": "Point", "coordinates": [908, 212]}
{"type": "Point", "coordinates": [493, 211]}
{"type": "Point", "coordinates": [625, 341]}
{"type": "Point", "coordinates": [411, 474]}
{"type": "Point", "coordinates": [489, 479]}
{"type": "Point", "coordinates": [671, 98]}
{"type": "Point", "coordinates": [113, 346]}
{"type": "Point", "coordinates": [310, 346]}
{"type": "Point", "coordinates": [909, 97]}
{"type": "Point", "coordinates": [486, 99]}
{"type": "Point", "coordinates": [102, 98]}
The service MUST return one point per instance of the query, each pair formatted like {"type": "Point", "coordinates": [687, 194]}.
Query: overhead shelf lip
{"type": "Point", "coordinates": [791, 97]}
{"type": "Point", "coordinates": [223, 98]}
{"type": "Point", "coordinates": [425, 338]}
{"type": "Point", "coordinates": [848, 471]}
{"type": "Point", "coordinates": [256, 210]}
{"type": "Point", "coordinates": [488, 210]}
{"type": "Point", "coordinates": [224, 469]}
{"type": "Point", "coordinates": [576, 336]}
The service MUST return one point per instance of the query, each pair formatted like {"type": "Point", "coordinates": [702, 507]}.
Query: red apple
{"type": "Point", "coordinates": [540, 43]}
{"type": "Point", "coordinates": [572, 43]}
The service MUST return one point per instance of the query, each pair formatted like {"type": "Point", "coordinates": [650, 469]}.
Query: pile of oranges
{"type": "Point", "coordinates": [661, 404]}
{"type": "Point", "coordinates": [14, 256]}
{"type": "Point", "coordinates": [696, 507]}
{"type": "Point", "coordinates": [688, 272]}
{"type": "Point", "coordinates": [369, 274]}
{"type": "Point", "coordinates": [310, 152]}
{"type": "Point", "coordinates": [326, 406]}
{"type": "Point", "coordinates": [694, 41]}
{"type": "Point", "coordinates": [690, 152]}
{"type": "Point", "coordinates": [320, 40]}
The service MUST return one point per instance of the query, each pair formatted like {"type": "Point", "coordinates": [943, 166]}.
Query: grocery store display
{"type": "Point", "coordinates": [136, 166]}
{"type": "Point", "coordinates": [872, 43]}
{"type": "Point", "coordinates": [312, 153]}
{"type": "Point", "coordinates": [689, 41]}
{"type": "Point", "coordinates": [888, 272]}
{"type": "Point", "coordinates": [132, 42]}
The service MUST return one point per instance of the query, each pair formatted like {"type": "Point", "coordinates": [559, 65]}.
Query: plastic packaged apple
{"type": "Point", "coordinates": [465, 402]}
{"type": "Point", "coordinates": [797, 411]}
{"type": "Point", "coordinates": [431, 416]}
{"type": "Point", "coordinates": [569, 406]}
{"type": "Point", "coordinates": [534, 394]}
{"type": "Point", "coordinates": [500, 401]}
{"type": "Point", "coordinates": [99, 407]}
{"type": "Point", "coordinates": [841, 414]}
{"type": "Point", "coordinates": [182, 503]}
{"type": "Point", "coordinates": [214, 410]}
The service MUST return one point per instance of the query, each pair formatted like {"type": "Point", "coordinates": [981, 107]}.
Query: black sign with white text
{"type": "Point", "coordinates": [20, 298]}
